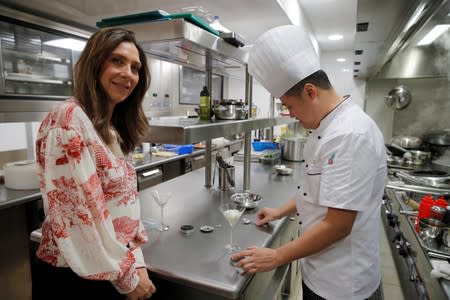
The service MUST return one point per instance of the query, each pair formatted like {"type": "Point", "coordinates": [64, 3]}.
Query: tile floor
{"type": "Point", "coordinates": [389, 276]}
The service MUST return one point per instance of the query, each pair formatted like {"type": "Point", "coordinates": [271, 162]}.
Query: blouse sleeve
{"type": "Point", "coordinates": [77, 213]}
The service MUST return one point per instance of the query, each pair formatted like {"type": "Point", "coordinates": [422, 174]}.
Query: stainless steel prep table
{"type": "Point", "coordinates": [199, 261]}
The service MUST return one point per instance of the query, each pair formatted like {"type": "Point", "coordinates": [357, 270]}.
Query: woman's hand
{"type": "Point", "coordinates": [145, 288]}
{"type": "Point", "coordinates": [266, 214]}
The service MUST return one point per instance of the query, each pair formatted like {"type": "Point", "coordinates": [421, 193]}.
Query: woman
{"type": "Point", "coordinates": [92, 233]}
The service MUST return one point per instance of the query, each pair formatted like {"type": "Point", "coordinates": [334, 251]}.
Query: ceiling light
{"type": "Point", "coordinates": [335, 37]}
{"type": "Point", "coordinates": [433, 34]}
{"type": "Point", "coordinates": [68, 43]}
{"type": "Point", "coordinates": [340, 59]}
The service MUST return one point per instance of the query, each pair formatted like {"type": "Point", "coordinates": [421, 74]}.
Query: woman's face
{"type": "Point", "coordinates": [120, 73]}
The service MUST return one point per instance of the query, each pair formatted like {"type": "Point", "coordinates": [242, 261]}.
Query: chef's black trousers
{"type": "Point", "coordinates": [310, 295]}
{"type": "Point", "coordinates": [53, 283]}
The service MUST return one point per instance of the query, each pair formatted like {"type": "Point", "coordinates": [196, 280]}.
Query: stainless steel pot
{"type": "Point", "coordinates": [408, 142]}
{"type": "Point", "coordinates": [431, 228]}
{"type": "Point", "coordinates": [230, 110]}
{"type": "Point", "coordinates": [446, 236]}
{"type": "Point", "coordinates": [292, 148]}
{"type": "Point", "coordinates": [417, 157]}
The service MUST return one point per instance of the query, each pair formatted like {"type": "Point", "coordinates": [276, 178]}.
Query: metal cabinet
{"type": "Point", "coordinates": [149, 177]}
{"type": "Point", "coordinates": [37, 58]}
{"type": "Point", "coordinates": [281, 283]}
{"type": "Point", "coordinates": [33, 63]}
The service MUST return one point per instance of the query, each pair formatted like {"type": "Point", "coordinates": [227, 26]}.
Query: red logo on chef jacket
{"type": "Point", "coordinates": [331, 159]}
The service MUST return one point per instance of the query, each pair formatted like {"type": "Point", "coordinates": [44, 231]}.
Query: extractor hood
{"type": "Point", "coordinates": [406, 59]}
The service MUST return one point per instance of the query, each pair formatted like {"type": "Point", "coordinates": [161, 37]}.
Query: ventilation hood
{"type": "Point", "coordinates": [405, 59]}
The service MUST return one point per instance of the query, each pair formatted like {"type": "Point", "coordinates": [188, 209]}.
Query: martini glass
{"type": "Point", "coordinates": [232, 213]}
{"type": "Point", "coordinates": [161, 199]}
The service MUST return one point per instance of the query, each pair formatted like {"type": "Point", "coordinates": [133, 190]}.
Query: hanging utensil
{"type": "Point", "coordinates": [398, 98]}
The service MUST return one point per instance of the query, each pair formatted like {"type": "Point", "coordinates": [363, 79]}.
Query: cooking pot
{"type": "Point", "coordinates": [407, 142]}
{"type": "Point", "coordinates": [230, 110]}
{"type": "Point", "coordinates": [438, 142]}
{"type": "Point", "coordinates": [441, 164]}
{"type": "Point", "coordinates": [417, 157]}
{"type": "Point", "coordinates": [21, 175]}
{"type": "Point", "coordinates": [292, 148]}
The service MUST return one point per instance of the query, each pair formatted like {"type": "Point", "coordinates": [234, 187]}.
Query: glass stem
{"type": "Point", "coordinates": [162, 217]}
{"type": "Point", "coordinates": [231, 237]}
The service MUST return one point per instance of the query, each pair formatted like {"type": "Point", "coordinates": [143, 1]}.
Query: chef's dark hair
{"type": "Point", "coordinates": [128, 116]}
{"type": "Point", "coordinates": [319, 79]}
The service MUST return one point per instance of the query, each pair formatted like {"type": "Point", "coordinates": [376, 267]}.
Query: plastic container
{"type": "Point", "coordinates": [261, 146]}
{"type": "Point", "coordinates": [270, 156]}
{"type": "Point", "coordinates": [179, 149]}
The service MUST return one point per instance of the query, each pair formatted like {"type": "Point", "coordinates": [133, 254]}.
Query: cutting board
{"type": "Point", "coordinates": [156, 15]}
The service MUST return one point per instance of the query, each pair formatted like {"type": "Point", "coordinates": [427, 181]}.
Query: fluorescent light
{"type": "Point", "coordinates": [433, 34]}
{"type": "Point", "coordinates": [341, 59]}
{"type": "Point", "coordinates": [335, 37]}
{"type": "Point", "coordinates": [68, 43]}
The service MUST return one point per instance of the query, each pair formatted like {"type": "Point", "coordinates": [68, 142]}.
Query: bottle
{"type": "Point", "coordinates": [205, 105]}
{"type": "Point", "coordinates": [441, 202]}
{"type": "Point", "coordinates": [424, 210]}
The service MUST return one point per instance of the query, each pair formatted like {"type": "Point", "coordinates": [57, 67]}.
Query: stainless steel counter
{"type": "Point", "coordinates": [412, 260]}
{"type": "Point", "coordinates": [200, 260]}
{"type": "Point", "coordinates": [10, 197]}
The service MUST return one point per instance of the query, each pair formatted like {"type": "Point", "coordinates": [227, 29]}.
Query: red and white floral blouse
{"type": "Point", "coordinates": [91, 202]}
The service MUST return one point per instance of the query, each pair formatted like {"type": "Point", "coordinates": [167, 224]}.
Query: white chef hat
{"type": "Point", "coordinates": [282, 57]}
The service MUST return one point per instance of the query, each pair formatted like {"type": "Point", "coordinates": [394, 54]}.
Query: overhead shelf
{"type": "Point", "coordinates": [187, 131]}
{"type": "Point", "coordinates": [182, 42]}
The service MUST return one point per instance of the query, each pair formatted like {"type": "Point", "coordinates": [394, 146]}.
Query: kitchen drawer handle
{"type": "Point", "coordinates": [150, 173]}
{"type": "Point", "coordinates": [199, 157]}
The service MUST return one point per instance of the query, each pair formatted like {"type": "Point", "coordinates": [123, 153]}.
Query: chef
{"type": "Point", "coordinates": [342, 179]}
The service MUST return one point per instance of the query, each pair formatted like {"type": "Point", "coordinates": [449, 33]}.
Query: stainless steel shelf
{"type": "Point", "coordinates": [35, 57]}
{"type": "Point", "coordinates": [35, 79]}
{"type": "Point", "coordinates": [187, 131]}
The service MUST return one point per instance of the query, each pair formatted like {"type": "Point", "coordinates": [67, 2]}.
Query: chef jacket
{"type": "Point", "coordinates": [344, 168]}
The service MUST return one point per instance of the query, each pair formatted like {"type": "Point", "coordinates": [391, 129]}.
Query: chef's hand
{"type": "Point", "coordinates": [145, 288]}
{"type": "Point", "coordinates": [254, 259]}
{"type": "Point", "coordinates": [266, 214]}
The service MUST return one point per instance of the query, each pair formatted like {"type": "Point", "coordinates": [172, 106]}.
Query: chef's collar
{"type": "Point", "coordinates": [330, 116]}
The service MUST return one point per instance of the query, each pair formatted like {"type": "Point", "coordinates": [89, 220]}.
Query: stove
{"type": "Point", "coordinates": [429, 178]}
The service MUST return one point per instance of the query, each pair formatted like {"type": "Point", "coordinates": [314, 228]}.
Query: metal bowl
{"type": "Point", "coordinates": [247, 200]}
{"type": "Point", "coordinates": [431, 228]}
{"type": "Point", "coordinates": [283, 169]}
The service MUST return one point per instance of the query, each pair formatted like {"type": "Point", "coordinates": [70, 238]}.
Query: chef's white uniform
{"type": "Point", "coordinates": [345, 167]}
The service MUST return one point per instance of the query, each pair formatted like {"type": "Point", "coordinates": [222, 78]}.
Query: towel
{"type": "Point", "coordinates": [441, 269]}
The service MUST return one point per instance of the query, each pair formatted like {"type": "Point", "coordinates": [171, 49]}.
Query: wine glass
{"type": "Point", "coordinates": [161, 199]}
{"type": "Point", "coordinates": [232, 212]}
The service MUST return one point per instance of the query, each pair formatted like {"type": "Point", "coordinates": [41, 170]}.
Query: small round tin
{"type": "Point", "coordinates": [187, 229]}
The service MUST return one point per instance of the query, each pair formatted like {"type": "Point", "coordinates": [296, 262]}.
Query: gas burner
{"type": "Point", "coordinates": [432, 173]}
